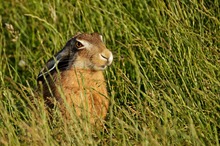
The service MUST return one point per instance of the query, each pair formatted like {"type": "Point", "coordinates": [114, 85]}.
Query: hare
{"type": "Point", "coordinates": [75, 76]}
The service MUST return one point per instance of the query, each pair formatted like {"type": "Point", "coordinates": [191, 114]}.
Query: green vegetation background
{"type": "Point", "coordinates": [164, 83]}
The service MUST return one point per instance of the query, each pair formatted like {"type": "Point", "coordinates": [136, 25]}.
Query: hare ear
{"type": "Point", "coordinates": [60, 61]}
{"type": "Point", "coordinates": [50, 66]}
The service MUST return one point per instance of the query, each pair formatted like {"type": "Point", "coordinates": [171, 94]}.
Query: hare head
{"type": "Point", "coordinates": [92, 52]}
{"type": "Point", "coordinates": [83, 51]}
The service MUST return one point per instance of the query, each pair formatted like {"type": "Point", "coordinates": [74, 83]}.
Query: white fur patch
{"type": "Point", "coordinates": [110, 59]}
{"type": "Point", "coordinates": [85, 43]}
{"type": "Point", "coordinates": [100, 36]}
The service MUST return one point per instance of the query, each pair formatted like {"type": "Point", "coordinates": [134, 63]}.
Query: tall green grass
{"type": "Point", "coordinates": [164, 83]}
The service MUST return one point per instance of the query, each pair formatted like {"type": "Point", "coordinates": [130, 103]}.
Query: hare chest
{"type": "Point", "coordinates": [85, 90]}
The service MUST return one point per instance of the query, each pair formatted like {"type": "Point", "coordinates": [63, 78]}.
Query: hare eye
{"type": "Point", "coordinates": [78, 44]}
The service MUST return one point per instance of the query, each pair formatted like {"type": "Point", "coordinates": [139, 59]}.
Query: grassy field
{"type": "Point", "coordinates": [164, 83]}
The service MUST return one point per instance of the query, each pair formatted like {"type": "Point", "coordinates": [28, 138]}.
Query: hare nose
{"type": "Point", "coordinates": [107, 57]}
{"type": "Point", "coordinates": [103, 56]}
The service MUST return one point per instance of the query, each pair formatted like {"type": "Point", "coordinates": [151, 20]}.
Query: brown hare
{"type": "Point", "coordinates": [75, 76]}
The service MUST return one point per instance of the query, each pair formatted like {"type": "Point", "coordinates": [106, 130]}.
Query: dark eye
{"type": "Point", "coordinates": [78, 44]}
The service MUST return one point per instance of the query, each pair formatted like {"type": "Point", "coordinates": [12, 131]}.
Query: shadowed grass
{"type": "Point", "coordinates": [164, 83]}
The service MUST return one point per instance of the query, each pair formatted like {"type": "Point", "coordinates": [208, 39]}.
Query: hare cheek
{"type": "Point", "coordinates": [98, 62]}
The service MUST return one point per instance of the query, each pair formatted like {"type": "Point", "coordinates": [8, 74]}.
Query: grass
{"type": "Point", "coordinates": [164, 83]}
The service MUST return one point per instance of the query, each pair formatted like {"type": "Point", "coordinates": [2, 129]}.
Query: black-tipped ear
{"type": "Point", "coordinates": [50, 66]}
{"type": "Point", "coordinates": [62, 60]}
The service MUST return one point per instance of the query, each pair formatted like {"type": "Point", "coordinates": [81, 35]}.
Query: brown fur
{"type": "Point", "coordinates": [82, 86]}
{"type": "Point", "coordinates": [85, 90]}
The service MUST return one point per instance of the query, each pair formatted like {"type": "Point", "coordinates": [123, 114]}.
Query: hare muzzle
{"type": "Point", "coordinates": [108, 57]}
